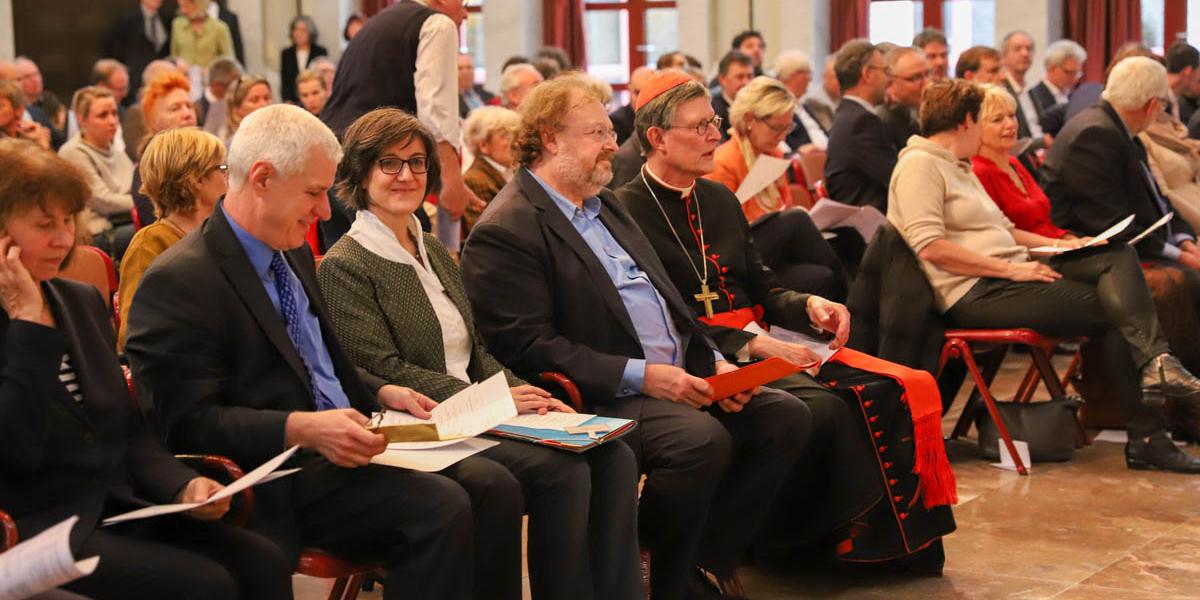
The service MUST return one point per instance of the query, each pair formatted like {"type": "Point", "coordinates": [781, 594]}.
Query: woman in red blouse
{"type": "Point", "coordinates": [1020, 198]}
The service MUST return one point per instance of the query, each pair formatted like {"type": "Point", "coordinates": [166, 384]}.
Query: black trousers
{"type": "Point", "coordinates": [418, 525]}
{"type": "Point", "coordinates": [710, 477]}
{"type": "Point", "coordinates": [1102, 295]}
{"type": "Point", "coordinates": [183, 559]}
{"type": "Point", "coordinates": [837, 478]}
{"type": "Point", "coordinates": [793, 247]}
{"type": "Point", "coordinates": [582, 520]}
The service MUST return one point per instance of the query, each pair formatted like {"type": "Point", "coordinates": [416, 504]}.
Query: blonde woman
{"type": "Point", "coordinates": [760, 119]}
{"type": "Point", "coordinates": [183, 173]}
{"type": "Point", "coordinates": [489, 133]}
{"type": "Point", "coordinates": [109, 171]}
{"type": "Point", "coordinates": [248, 94]}
{"type": "Point", "coordinates": [197, 37]}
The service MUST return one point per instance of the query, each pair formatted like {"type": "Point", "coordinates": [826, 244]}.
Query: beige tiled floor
{"type": "Point", "coordinates": [1083, 530]}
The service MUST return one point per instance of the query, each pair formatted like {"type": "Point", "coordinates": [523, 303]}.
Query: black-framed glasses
{"type": "Point", "coordinates": [391, 165]}
{"type": "Point", "coordinates": [701, 128]}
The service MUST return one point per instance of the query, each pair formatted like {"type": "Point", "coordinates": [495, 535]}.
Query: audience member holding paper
{"type": "Point", "coordinates": [396, 300]}
{"type": "Point", "coordinates": [838, 478]}
{"type": "Point", "coordinates": [750, 165]}
{"type": "Point", "coordinates": [978, 265]}
{"type": "Point", "coordinates": [560, 278]}
{"type": "Point", "coordinates": [74, 443]}
{"type": "Point", "coordinates": [1020, 198]}
{"type": "Point", "coordinates": [230, 333]}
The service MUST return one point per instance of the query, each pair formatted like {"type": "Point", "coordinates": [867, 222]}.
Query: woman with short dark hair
{"type": "Point", "coordinates": [299, 56]}
{"type": "Point", "coordinates": [74, 443]}
{"type": "Point", "coordinates": [982, 274]}
{"type": "Point", "coordinates": [397, 302]}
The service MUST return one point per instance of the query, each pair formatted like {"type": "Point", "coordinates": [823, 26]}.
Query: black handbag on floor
{"type": "Point", "coordinates": [1048, 428]}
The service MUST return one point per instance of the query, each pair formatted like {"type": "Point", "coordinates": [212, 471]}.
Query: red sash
{"type": "Point", "coordinates": [937, 486]}
{"type": "Point", "coordinates": [737, 319]}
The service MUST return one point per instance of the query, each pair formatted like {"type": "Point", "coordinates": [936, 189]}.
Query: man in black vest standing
{"type": "Point", "coordinates": [407, 56]}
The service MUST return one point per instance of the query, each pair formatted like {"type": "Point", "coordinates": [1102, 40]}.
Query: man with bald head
{"type": "Point", "coordinates": [622, 118]}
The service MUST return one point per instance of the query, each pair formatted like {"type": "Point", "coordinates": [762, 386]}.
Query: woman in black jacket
{"type": "Point", "coordinates": [72, 442]}
{"type": "Point", "coordinates": [298, 56]}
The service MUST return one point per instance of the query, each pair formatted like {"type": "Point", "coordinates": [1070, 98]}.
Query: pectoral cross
{"type": "Point", "coordinates": [707, 298]}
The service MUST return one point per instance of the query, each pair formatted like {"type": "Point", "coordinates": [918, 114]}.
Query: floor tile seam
{"type": "Point", "coordinates": [1112, 563]}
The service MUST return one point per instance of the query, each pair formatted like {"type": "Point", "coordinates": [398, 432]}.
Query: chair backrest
{"type": "Point", "coordinates": [820, 189]}
{"type": "Point", "coordinates": [137, 218]}
{"type": "Point", "coordinates": [8, 532]}
{"type": "Point", "coordinates": [92, 266]}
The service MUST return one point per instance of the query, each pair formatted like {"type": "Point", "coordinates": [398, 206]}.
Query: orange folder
{"type": "Point", "coordinates": [752, 376]}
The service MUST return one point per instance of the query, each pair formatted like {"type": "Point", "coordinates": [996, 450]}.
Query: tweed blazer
{"type": "Point", "coordinates": [486, 182]}
{"type": "Point", "coordinates": [384, 318]}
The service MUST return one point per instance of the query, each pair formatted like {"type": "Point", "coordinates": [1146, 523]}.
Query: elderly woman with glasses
{"type": "Point", "coordinates": [397, 302]}
{"type": "Point", "coordinates": [183, 174]}
{"type": "Point", "coordinates": [791, 245]}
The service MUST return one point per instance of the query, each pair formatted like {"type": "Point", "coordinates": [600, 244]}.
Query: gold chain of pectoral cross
{"type": "Point", "coordinates": [705, 296]}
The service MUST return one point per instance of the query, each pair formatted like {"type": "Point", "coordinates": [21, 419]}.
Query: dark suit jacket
{"type": "Point", "coordinates": [1043, 98]}
{"type": "Point", "coordinates": [487, 97]}
{"type": "Point", "coordinates": [125, 40]}
{"type": "Point", "coordinates": [721, 107]}
{"type": "Point", "coordinates": [216, 358]}
{"type": "Point", "coordinates": [230, 19]}
{"type": "Point", "coordinates": [60, 458]}
{"type": "Point", "coordinates": [860, 158]}
{"type": "Point", "coordinates": [622, 120]}
{"type": "Point", "coordinates": [627, 162]}
{"type": "Point", "coordinates": [1094, 178]}
{"type": "Point", "coordinates": [900, 123]}
{"type": "Point", "coordinates": [543, 301]}
{"type": "Point", "coordinates": [289, 71]}
{"type": "Point", "coordinates": [820, 111]}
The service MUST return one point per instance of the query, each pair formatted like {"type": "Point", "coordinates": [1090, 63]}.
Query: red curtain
{"type": "Point", "coordinates": [1101, 26]}
{"type": "Point", "coordinates": [371, 7]}
{"type": "Point", "coordinates": [562, 26]}
{"type": "Point", "coordinates": [847, 20]}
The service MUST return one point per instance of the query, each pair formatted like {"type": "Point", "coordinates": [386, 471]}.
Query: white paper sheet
{"type": "Point", "coordinates": [433, 460]}
{"type": "Point", "coordinates": [867, 221]}
{"type": "Point", "coordinates": [1006, 461]}
{"type": "Point", "coordinates": [42, 562]}
{"type": "Point", "coordinates": [818, 347]}
{"type": "Point", "coordinates": [827, 214]}
{"type": "Point", "coordinates": [253, 478]}
{"type": "Point", "coordinates": [1151, 229]}
{"type": "Point", "coordinates": [550, 420]}
{"type": "Point", "coordinates": [766, 170]}
{"type": "Point", "coordinates": [476, 409]}
{"type": "Point", "coordinates": [1104, 235]}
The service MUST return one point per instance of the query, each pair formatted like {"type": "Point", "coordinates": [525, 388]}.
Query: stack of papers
{"type": "Point", "coordinates": [1122, 225]}
{"type": "Point", "coordinates": [558, 430]}
{"type": "Point", "coordinates": [42, 562]}
{"type": "Point", "coordinates": [828, 214]}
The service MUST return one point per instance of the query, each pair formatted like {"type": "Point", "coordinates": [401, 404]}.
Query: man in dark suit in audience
{"type": "Point", "coordinates": [470, 95]}
{"type": "Point", "coordinates": [219, 10]}
{"type": "Point", "coordinates": [861, 152]}
{"type": "Point", "coordinates": [622, 118]}
{"type": "Point", "coordinates": [933, 43]}
{"type": "Point", "coordinates": [907, 78]}
{"type": "Point", "coordinates": [793, 69]}
{"type": "Point", "coordinates": [137, 37]}
{"type": "Point", "coordinates": [821, 102]}
{"type": "Point", "coordinates": [230, 335]}
{"type": "Point", "coordinates": [1096, 172]}
{"type": "Point", "coordinates": [1183, 79]}
{"type": "Point", "coordinates": [1064, 67]}
{"type": "Point", "coordinates": [735, 70]}
{"type": "Point", "coordinates": [582, 292]}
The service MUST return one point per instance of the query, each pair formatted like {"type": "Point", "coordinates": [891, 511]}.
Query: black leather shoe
{"type": "Point", "coordinates": [1164, 377]}
{"type": "Point", "coordinates": [1159, 454]}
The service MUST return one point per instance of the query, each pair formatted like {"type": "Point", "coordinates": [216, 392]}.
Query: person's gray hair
{"type": "Point", "coordinates": [1010, 35]}
{"type": "Point", "coordinates": [1135, 81]}
{"type": "Point", "coordinates": [893, 57]}
{"type": "Point", "coordinates": [1061, 51]}
{"type": "Point", "coordinates": [486, 120]}
{"type": "Point", "coordinates": [313, 33]}
{"type": "Point", "coordinates": [660, 112]}
{"type": "Point", "coordinates": [788, 62]}
{"type": "Point", "coordinates": [103, 70]}
{"type": "Point", "coordinates": [510, 78]}
{"type": "Point", "coordinates": [224, 70]}
{"type": "Point", "coordinates": [283, 135]}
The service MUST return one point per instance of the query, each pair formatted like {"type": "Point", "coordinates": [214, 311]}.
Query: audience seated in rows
{"type": "Point", "coordinates": [978, 264]}
{"type": "Point", "coordinates": [838, 480]}
{"type": "Point", "coordinates": [933, 43]}
{"type": "Point", "coordinates": [622, 118]}
{"type": "Point", "coordinates": [515, 83]}
{"type": "Point", "coordinates": [198, 37]}
{"type": "Point", "coordinates": [109, 172]}
{"type": "Point", "coordinates": [231, 339]}
{"type": "Point", "coordinates": [489, 133]}
{"type": "Point", "coordinates": [808, 136]}
{"type": "Point", "coordinates": [75, 445]}
{"type": "Point", "coordinates": [310, 86]}
{"type": "Point", "coordinates": [213, 104]}
{"type": "Point", "coordinates": [907, 78]}
{"type": "Point", "coordinates": [861, 154]}
{"type": "Point", "coordinates": [12, 112]}
{"type": "Point", "coordinates": [136, 37]}
{"type": "Point", "coordinates": [790, 244]}
{"type": "Point", "coordinates": [183, 173]}
{"type": "Point", "coordinates": [248, 94]}
{"type": "Point", "coordinates": [38, 98]}
{"type": "Point", "coordinates": [733, 73]}
{"type": "Point", "coordinates": [980, 64]}
{"type": "Point", "coordinates": [396, 300]}
{"type": "Point", "coordinates": [470, 95]}
{"type": "Point", "coordinates": [640, 354]}
{"type": "Point", "coordinates": [165, 105]}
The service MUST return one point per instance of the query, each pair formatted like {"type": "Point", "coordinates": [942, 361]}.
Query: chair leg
{"type": "Point", "coordinates": [338, 591]}
{"type": "Point", "coordinates": [1058, 387]}
{"type": "Point", "coordinates": [964, 351]}
{"type": "Point", "coordinates": [353, 586]}
{"type": "Point", "coordinates": [1028, 385]}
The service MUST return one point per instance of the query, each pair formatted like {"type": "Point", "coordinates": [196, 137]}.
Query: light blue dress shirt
{"type": "Point", "coordinates": [661, 342]}
{"type": "Point", "coordinates": [312, 348]}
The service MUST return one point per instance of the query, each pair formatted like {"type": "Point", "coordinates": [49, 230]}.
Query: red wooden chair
{"type": "Point", "coordinates": [568, 387]}
{"type": "Point", "coordinates": [820, 189]}
{"type": "Point", "coordinates": [313, 237]}
{"type": "Point", "coordinates": [137, 218]}
{"type": "Point", "coordinates": [964, 344]}
{"type": "Point", "coordinates": [8, 532]}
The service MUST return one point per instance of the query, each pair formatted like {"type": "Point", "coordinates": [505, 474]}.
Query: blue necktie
{"type": "Point", "coordinates": [291, 319]}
